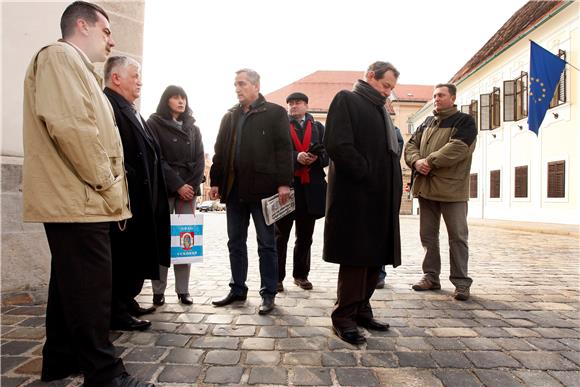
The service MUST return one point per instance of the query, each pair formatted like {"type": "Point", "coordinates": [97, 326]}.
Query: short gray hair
{"type": "Point", "coordinates": [118, 61]}
{"type": "Point", "coordinates": [253, 76]}
{"type": "Point", "coordinates": [380, 68]}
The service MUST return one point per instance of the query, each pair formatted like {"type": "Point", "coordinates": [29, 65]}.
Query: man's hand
{"type": "Point", "coordinates": [306, 158]}
{"type": "Point", "coordinates": [214, 193]}
{"type": "Point", "coordinates": [422, 166]}
{"type": "Point", "coordinates": [186, 192]}
{"type": "Point", "coordinates": [283, 194]}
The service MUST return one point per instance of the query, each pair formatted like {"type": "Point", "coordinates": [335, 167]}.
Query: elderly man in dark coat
{"type": "Point", "coordinates": [363, 199]}
{"type": "Point", "coordinates": [144, 244]}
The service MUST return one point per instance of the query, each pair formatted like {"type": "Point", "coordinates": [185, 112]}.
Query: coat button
{"type": "Point", "coordinates": [174, 140]}
{"type": "Point", "coordinates": [99, 187]}
{"type": "Point", "coordinates": [187, 142]}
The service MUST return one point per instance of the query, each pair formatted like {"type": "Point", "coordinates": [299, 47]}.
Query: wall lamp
{"type": "Point", "coordinates": [556, 115]}
{"type": "Point", "coordinates": [521, 127]}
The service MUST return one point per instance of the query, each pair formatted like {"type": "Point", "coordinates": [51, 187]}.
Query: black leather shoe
{"type": "Point", "coordinates": [139, 311]}
{"type": "Point", "coordinates": [130, 323]}
{"type": "Point", "coordinates": [231, 297]}
{"type": "Point", "coordinates": [371, 323]}
{"type": "Point", "coordinates": [351, 335]}
{"type": "Point", "coordinates": [303, 283]}
{"type": "Point", "coordinates": [267, 305]}
{"type": "Point", "coordinates": [126, 380]}
{"type": "Point", "coordinates": [185, 299]}
{"type": "Point", "coordinates": [158, 299]}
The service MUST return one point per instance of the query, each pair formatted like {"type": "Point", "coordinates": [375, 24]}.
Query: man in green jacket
{"type": "Point", "coordinates": [439, 152]}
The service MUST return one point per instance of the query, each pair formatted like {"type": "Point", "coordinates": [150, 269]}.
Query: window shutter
{"type": "Point", "coordinates": [521, 182]}
{"type": "Point", "coordinates": [485, 111]}
{"type": "Point", "coordinates": [509, 99]}
{"type": "Point", "coordinates": [473, 185]}
{"type": "Point", "coordinates": [465, 109]}
{"type": "Point", "coordinates": [556, 179]}
{"type": "Point", "coordinates": [494, 183]}
{"type": "Point", "coordinates": [495, 108]}
{"type": "Point", "coordinates": [473, 110]}
{"type": "Point", "coordinates": [559, 97]}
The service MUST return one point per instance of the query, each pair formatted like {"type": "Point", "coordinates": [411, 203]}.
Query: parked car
{"type": "Point", "coordinates": [206, 206]}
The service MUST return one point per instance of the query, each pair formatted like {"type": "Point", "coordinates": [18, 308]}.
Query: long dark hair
{"type": "Point", "coordinates": [163, 107]}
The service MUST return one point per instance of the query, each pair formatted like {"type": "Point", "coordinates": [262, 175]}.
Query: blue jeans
{"type": "Point", "coordinates": [238, 219]}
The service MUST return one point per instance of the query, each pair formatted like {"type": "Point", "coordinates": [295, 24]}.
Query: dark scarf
{"type": "Point", "coordinates": [365, 90]}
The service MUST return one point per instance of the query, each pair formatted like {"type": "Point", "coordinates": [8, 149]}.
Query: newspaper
{"type": "Point", "coordinates": [273, 210]}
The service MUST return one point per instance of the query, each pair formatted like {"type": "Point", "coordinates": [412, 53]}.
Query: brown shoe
{"type": "Point", "coordinates": [303, 283]}
{"type": "Point", "coordinates": [426, 284]}
{"type": "Point", "coordinates": [461, 293]}
{"type": "Point", "coordinates": [280, 287]}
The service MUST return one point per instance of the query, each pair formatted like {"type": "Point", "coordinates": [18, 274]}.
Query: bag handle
{"type": "Point", "coordinates": [180, 205]}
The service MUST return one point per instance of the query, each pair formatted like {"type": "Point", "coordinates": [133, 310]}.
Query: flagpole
{"type": "Point", "coordinates": [571, 65]}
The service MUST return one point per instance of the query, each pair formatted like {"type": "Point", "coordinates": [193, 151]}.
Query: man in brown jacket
{"type": "Point", "coordinates": [439, 152]}
{"type": "Point", "coordinates": [74, 183]}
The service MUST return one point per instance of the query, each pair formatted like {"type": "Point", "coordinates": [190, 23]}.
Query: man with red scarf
{"type": "Point", "coordinates": [310, 158]}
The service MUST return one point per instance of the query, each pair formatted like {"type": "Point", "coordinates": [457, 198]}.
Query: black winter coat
{"type": "Point", "coordinates": [364, 186]}
{"type": "Point", "coordinates": [311, 197]}
{"type": "Point", "coordinates": [265, 161]}
{"type": "Point", "coordinates": [182, 154]}
{"type": "Point", "coordinates": [145, 243]}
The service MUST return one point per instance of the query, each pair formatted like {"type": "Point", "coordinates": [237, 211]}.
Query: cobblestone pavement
{"type": "Point", "coordinates": [521, 327]}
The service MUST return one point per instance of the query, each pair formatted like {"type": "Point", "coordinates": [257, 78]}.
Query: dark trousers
{"type": "Point", "coordinates": [238, 217]}
{"type": "Point", "coordinates": [356, 285]}
{"type": "Point", "coordinates": [79, 304]}
{"type": "Point", "coordinates": [304, 228]}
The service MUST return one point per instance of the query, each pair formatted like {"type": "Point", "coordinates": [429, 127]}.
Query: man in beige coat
{"type": "Point", "coordinates": [439, 152]}
{"type": "Point", "coordinates": [74, 183]}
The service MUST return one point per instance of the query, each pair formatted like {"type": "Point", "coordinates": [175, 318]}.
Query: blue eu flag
{"type": "Point", "coordinates": [545, 71]}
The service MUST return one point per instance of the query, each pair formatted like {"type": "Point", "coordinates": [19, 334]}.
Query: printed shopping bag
{"type": "Point", "coordinates": [186, 238]}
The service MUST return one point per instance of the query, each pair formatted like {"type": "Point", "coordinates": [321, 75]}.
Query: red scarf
{"type": "Point", "coordinates": [303, 171]}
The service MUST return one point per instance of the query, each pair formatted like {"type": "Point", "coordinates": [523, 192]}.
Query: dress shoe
{"type": "Point", "coordinates": [266, 306]}
{"type": "Point", "coordinates": [185, 298]}
{"type": "Point", "coordinates": [303, 283]}
{"type": "Point", "coordinates": [380, 284]}
{"type": "Point", "coordinates": [130, 323]}
{"type": "Point", "coordinates": [350, 335]}
{"type": "Point", "coordinates": [126, 380]}
{"type": "Point", "coordinates": [139, 311]}
{"type": "Point", "coordinates": [158, 299]}
{"type": "Point", "coordinates": [426, 284]}
{"type": "Point", "coordinates": [280, 287]}
{"type": "Point", "coordinates": [231, 297]}
{"type": "Point", "coordinates": [461, 293]}
{"type": "Point", "coordinates": [375, 325]}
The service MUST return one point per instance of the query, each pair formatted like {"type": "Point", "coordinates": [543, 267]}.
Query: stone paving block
{"type": "Point", "coordinates": [258, 343]}
{"type": "Point", "coordinates": [299, 343]}
{"type": "Point", "coordinates": [521, 332]}
{"type": "Point", "coordinates": [541, 360]}
{"type": "Point", "coordinates": [415, 359]}
{"type": "Point", "coordinates": [219, 319]}
{"type": "Point", "coordinates": [179, 374]}
{"type": "Point", "coordinates": [338, 359]}
{"type": "Point", "coordinates": [223, 375]}
{"type": "Point", "coordinates": [184, 356]}
{"type": "Point", "coordinates": [456, 323]}
{"type": "Point", "coordinates": [308, 331]}
{"type": "Point", "coordinates": [145, 354]}
{"type": "Point", "coordinates": [31, 367]}
{"type": "Point", "coordinates": [17, 347]}
{"type": "Point", "coordinates": [457, 378]}
{"type": "Point", "coordinates": [491, 359]}
{"type": "Point", "coordinates": [216, 342]}
{"type": "Point", "coordinates": [319, 322]}
{"type": "Point", "coordinates": [161, 317]}
{"type": "Point", "coordinates": [8, 320]}
{"type": "Point", "coordinates": [34, 333]}
{"type": "Point", "coordinates": [425, 322]}
{"type": "Point", "coordinates": [567, 378]}
{"type": "Point", "coordinates": [193, 329]}
{"type": "Point", "coordinates": [537, 378]}
{"type": "Point", "coordinates": [412, 344]}
{"type": "Point", "coordinates": [449, 359]}
{"type": "Point", "coordinates": [11, 382]}
{"type": "Point", "coordinates": [485, 314]}
{"type": "Point", "coordinates": [407, 332]}
{"type": "Point", "coordinates": [407, 377]}
{"type": "Point", "coordinates": [192, 318]}
{"type": "Point", "coordinates": [547, 344]}
{"type": "Point", "coordinates": [379, 359]}
{"type": "Point", "coordinates": [335, 343]}
{"type": "Point", "coordinates": [172, 340]}
{"type": "Point", "coordinates": [452, 332]}
{"type": "Point", "coordinates": [517, 322]}
{"type": "Point", "coordinates": [295, 320]}
{"type": "Point", "coordinates": [513, 344]}
{"type": "Point", "coordinates": [164, 326]}
{"type": "Point", "coordinates": [10, 362]}
{"type": "Point", "coordinates": [445, 344]}
{"type": "Point", "coordinates": [268, 376]}
{"type": "Point", "coordinates": [54, 383]}
{"type": "Point", "coordinates": [311, 377]}
{"type": "Point", "coordinates": [572, 343]}
{"type": "Point", "coordinates": [572, 356]}
{"type": "Point", "coordinates": [491, 332]}
{"type": "Point", "coordinates": [142, 371]}
{"type": "Point", "coordinates": [263, 357]}
{"type": "Point", "coordinates": [222, 357]}
{"type": "Point", "coordinates": [274, 331]}
{"type": "Point", "coordinates": [356, 377]}
{"type": "Point", "coordinates": [140, 338]}
{"type": "Point", "coordinates": [33, 322]}
{"type": "Point", "coordinates": [255, 320]}
{"type": "Point", "coordinates": [498, 378]}
{"type": "Point", "coordinates": [303, 358]}
{"type": "Point", "coordinates": [491, 322]}
{"type": "Point", "coordinates": [381, 343]}
{"type": "Point", "coordinates": [480, 344]}
{"type": "Point", "coordinates": [26, 311]}
{"type": "Point", "coordinates": [557, 333]}
{"type": "Point", "coordinates": [234, 330]}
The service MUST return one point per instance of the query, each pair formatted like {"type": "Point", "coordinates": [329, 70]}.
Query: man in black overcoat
{"type": "Point", "coordinates": [364, 195]}
{"type": "Point", "coordinates": [144, 243]}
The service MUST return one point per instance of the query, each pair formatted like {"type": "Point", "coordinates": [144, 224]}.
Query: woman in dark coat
{"type": "Point", "coordinates": [183, 165]}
